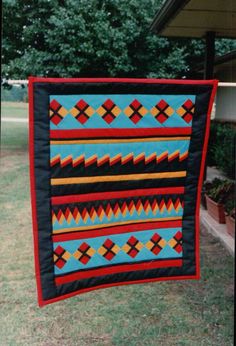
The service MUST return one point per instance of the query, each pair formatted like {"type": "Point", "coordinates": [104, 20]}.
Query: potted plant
{"type": "Point", "coordinates": [230, 217]}
{"type": "Point", "coordinates": [216, 197]}
{"type": "Point", "coordinates": [207, 185]}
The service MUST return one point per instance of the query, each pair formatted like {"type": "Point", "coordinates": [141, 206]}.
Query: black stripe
{"type": "Point", "coordinates": [72, 189]}
{"type": "Point", "coordinates": [129, 168]}
{"type": "Point", "coordinates": [119, 137]}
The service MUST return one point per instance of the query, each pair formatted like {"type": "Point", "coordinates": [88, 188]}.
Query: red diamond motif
{"type": "Point", "coordinates": [133, 251]}
{"type": "Point", "coordinates": [81, 104]}
{"type": "Point", "coordinates": [188, 104]}
{"type": "Point", "coordinates": [82, 118]}
{"type": "Point", "coordinates": [109, 255]}
{"type": "Point", "coordinates": [56, 119]}
{"type": "Point", "coordinates": [60, 263]}
{"type": "Point", "coordinates": [108, 245]}
{"type": "Point", "coordinates": [135, 118]}
{"type": "Point", "coordinates": [84, 247]}
{"type": "Point", "coordinates": [178, 248]}
{"type": "Point", "coordinates": [84, 259]}
{"type": "Point", "coordinates": [155, 250]}
{"type": "Point", "coordinates": [54, 105]}
{"type": "Point", "coordinates": [132, 240]}
{"type": "Point", "coordinates": [178, 235]}
{"type": "Point", "coordinates": [161, 118]}
{"type": "Point", "coordinates": [58, 253]}
{"type": "Point", "coordinates": [162, 104]}
{"type": "Point", "coordinates": [188, 117]}
{"type": "Point", "coordinates": [108, 104]}
{"type": "Point", "coordinates": [155, 240]}
{"type": "Point", "coordinates": [135, 104]}
{"type": "Point", "coordinates": [108, 118]}
{"type": "Point", "coordinates": [59, 250]}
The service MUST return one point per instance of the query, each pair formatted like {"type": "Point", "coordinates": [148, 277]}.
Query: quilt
{"type": "Point", "coordinates": [116, 169]}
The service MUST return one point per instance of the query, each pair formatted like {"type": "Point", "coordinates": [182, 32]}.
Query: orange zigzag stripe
{"type": "Point", "coordinates": [117, 158]}
{"type": "Point", "coordinates": [117, 210]}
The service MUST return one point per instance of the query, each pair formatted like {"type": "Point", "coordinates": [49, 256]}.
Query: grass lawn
{"type": "Point", "coordinates": [14, 109]}
{"type": "Point", "coordinates": [196, 313]}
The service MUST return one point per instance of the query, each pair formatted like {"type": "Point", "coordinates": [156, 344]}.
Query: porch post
{"type": "Point", "coordinates": [209, 66]}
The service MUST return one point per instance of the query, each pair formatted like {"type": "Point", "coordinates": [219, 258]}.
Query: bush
{"type": "Point", "coordinates": [220, 190]}
{"type": "Point", "coordinates": [14, 94]}
{"type": "Point", "coordinates": [221, 150]}
{"type": "Point", "coordinates": [230, 207]}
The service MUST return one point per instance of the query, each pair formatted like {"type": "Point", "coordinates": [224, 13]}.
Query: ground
{"type": "Point", "coordinates": [166, 313]}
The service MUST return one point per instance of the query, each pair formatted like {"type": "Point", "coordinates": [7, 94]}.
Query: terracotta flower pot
{"type": "Point", "coordinates": [216, 210]}
{"type": "Point", "coordinates": [230, 224]}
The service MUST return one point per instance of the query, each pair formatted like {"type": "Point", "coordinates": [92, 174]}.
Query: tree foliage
{"type": "Point", "coordinates": [90, 38]}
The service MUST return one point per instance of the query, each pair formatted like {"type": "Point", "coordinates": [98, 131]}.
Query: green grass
{"type": "Point", "coordinates": [196, 313]}
{"type": "Point", "coordinates": [14, 109]}
{"type": "Point", "coordinates": [14, 135]}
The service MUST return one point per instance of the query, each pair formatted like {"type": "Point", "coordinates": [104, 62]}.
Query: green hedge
{"type": "Point", "coordinates": [14, 94]}
{"type": "Point", "coordinates": [221, 149]}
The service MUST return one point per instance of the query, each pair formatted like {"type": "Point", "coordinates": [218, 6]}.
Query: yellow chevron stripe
{"type": "Point", "coordinates": [106, 157]}
{"type": "Point", "coordinates": [125, 177]}
{"type": "Point", "coordinates": [183, 155]}
{"type": "Point", "coordinates": [74, 229]}
{"type": "Point", "coordinates": [161, 155]}
{"type": "Point", "coordinates": [146, 207]}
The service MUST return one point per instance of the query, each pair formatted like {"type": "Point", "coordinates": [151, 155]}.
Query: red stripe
{"type": "Point", "coordinates": [121, 80]}
{"type": "Point", "coordinates": [101, 196]}
{"type": "Point", "coordinates": [114, 284]}
{"type": "Point", "coordinates": [33, 192]}
{"type": "Point", "coordinates": [116, 230]}
{"type": "Point", "coordinates": [85, 133]}
{"type": "Point", "coordinates": [117, 269]}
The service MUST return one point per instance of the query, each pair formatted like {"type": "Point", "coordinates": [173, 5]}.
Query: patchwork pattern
{"type": "Point", "coordinates": [117, 159]}
{"type": "Point", "coordinates": [56, 112]}
{"type": "Point", "coordinates": [102, 251]}
{"type": "Point", "coordinates": [82, 111]}
{"type": "Point", "coordinates": [84, 253]}
{"type": "Point", "coordinates": [162, 111]}
{"type": "Point", "coordinates": [116, 173]}
{"type": "Point", "coordinates": [108, 111]}
{"type": "Point", "coordinates": [118, 209]}
{"type": "Point", "coordinates": [186, 111]}
{"type": "Point", "coordinates": [135, 111]}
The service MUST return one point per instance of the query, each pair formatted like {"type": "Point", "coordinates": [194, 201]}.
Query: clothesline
{"type": "Point", "coordinates": [25, 82]}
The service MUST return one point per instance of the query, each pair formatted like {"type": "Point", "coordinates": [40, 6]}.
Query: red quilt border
{"type": "Point", "coordinates": [32, 80]}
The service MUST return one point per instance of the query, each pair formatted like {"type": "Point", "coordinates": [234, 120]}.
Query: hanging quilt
{"type": "Point", "coordinates": [116, 170]}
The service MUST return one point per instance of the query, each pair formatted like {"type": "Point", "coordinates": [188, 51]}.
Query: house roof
{"type": "Point", "coordinates": [193, 18]}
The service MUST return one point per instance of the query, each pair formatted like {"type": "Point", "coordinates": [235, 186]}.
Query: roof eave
{"type": "Point", "coordinates": [166, 13]}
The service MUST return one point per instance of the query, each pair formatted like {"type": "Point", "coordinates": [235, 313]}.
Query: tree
{"type": "Point", "coordinates": [89, 38]}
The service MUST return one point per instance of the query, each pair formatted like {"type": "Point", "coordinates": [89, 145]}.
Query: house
{"type": "Point", "coordinates": [205, 19]}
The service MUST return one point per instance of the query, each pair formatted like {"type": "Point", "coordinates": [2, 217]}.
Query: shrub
{"type": "Point", "coordinates": [221, 150]}
{"type": "Point", "coordinates": [14, 94]}
{"type": "Point", "coordinates": [220, 191]}
{"type": "Point", "coordinates": [230, 207]}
